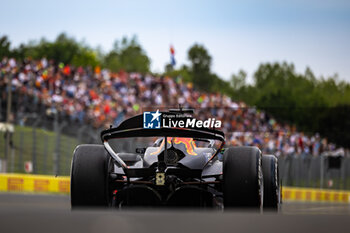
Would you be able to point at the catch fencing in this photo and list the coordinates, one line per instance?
(43, 146)
(323, 171)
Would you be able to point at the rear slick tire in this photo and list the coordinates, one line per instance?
(89, 177)
(242, 178)
(271, 182)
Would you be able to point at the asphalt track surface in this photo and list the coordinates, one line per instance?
(41, 213)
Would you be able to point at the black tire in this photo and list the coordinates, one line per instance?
(242, 178)
(271, 182)
(89, 176)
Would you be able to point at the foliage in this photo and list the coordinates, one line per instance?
(129, 57)
(337, 122)
(184, 72)
(314, 105)
(63, 49)
(126, 55)
(200, 71)
(4, 47)
(238, 81)
(200, 67)
(219, 85)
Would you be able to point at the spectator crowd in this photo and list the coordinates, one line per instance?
(99, 97)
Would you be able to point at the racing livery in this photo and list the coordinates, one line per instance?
(147, 162)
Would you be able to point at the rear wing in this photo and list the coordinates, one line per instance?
(133, 127)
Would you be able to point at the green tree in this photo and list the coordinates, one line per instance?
(313, 105)
(239, 89)
(184, 72)
(64, 49)
(220, 85)
(85, 57)
(4, 47)
(238, 80)
(112, 61)
(200, 67)
(128, 56)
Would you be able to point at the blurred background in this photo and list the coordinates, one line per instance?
(276, 73)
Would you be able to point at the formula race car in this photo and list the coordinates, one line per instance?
(148, 162)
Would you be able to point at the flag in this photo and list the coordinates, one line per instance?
(172, 56)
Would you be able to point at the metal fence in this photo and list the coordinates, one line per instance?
(322, 171)
(39, 150)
